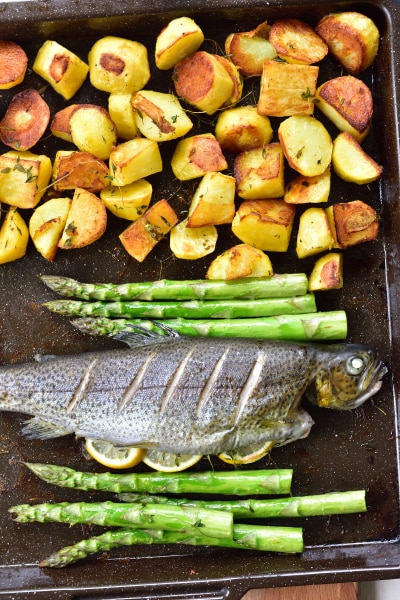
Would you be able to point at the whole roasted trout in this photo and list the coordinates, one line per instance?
(189, 395)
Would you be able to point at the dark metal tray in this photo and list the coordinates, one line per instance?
(344, 451)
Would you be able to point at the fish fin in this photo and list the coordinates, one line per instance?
(37, 428)
(140, 336)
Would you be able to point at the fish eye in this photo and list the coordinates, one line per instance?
(355, 365)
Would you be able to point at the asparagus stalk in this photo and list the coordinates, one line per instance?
(246, 537)
(239, 483)
(288, 284)
(333, 503)
(168, 517)
(193, 309)
(319, 326)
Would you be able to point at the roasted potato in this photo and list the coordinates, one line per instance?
(159, 116)
(352, 38)
(123, 115)
(129, 201)
(61, 68)
(24, 177)
(92, 130)
(59, 125)
(353, 223)
(351, 163)
(118, 65)
(197, 155)
(248, 50)
(86, 221)
(327, 273)
(297, 42)
(314, 234)
(133, 160)
(347, 102)
(13, 64)
(308, 190)
(179, 39)
(192, 243)
(25, 120)
(236, 77)
(203, 81)
(240, 261)
(265, 224)
(242, 128)
(72, 169)
(14, 236)
(306, 144)
(143, 235)
(259, 173)
(47, 224)
(213, 202)
(287, 89)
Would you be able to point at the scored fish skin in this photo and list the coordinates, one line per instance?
(187, 395)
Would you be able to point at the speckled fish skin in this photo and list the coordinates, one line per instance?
(189, 395)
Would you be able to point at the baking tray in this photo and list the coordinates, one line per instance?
(344, 451)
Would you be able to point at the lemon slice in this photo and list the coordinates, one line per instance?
(114, 457)
(170, 463)
(247, 454)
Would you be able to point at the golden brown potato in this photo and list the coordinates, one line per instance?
(123, 116)
(133, 160)
(192, 243)
(213, 202)
(314, 234)
(24, 177)
(202, 81)
(308, 190)
(236, 77)
(327, 273)
(14, 236)
(159, 116)
(353, 222)
(347, 102)
(128, 201)
(72, 169)
(180, 38)
(143, 235)
(287, 89)
(197, 155)
(352, 38)
(265, 224)
(47, 224)
(248, 50)
(259, 173)
(92, 130)
(86, 221)
(13, 63)
(297, 42)
(60, 126)
(25, 121)
(240, 261)
(242, 128)
(351, 163)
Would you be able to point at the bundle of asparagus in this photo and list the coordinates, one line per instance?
(153, 519)
(277, 307)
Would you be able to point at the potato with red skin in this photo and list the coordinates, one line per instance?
(25, 121)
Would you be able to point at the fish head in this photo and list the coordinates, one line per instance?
(352, 374)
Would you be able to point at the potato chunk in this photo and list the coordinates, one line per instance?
(180, 38)
(24, 177)
(213, 202)
(347, 102)
(123, 115)
(259, 173)
(352, 38)
(92, 130)
(25, 121)
(133, 160)
(327, 273)
(60, 124)
(240, 261)
(265, 224)
(297, 42)
(72, 169)
(202, 81)
(197, 155)
(61, 68)
(118, 65)
(314, 234)
(237, 80)
(143, 235)
(309, 190)
(159, 116)
(14, 236)
(13, 64)
(248, 50)
(306, 144)
(47, 224)
(353, 222)
(351, 163)
(86, 222)
(242, 128)
(192, 243)
(128, 201)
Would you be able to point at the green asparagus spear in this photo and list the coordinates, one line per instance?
(288, 284)
(193, 309)
(332, 503)
(239, 483)
(195, 521)
(246, 537)
(319, 326)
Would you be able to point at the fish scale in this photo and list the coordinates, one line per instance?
(188, 395)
